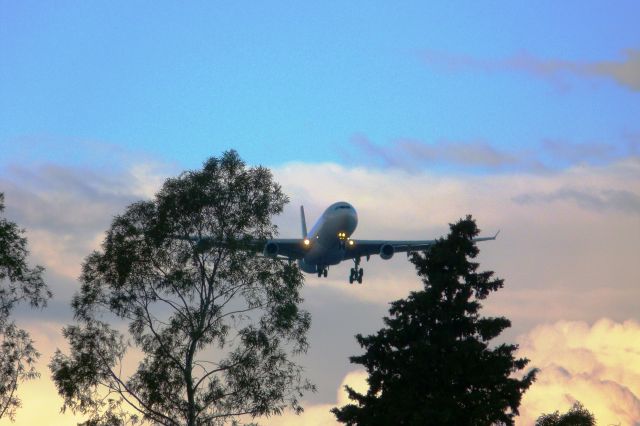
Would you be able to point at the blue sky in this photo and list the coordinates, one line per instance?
(523, 114)
(281, 82)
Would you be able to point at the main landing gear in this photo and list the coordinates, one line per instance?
(322, 272)
(356, 272)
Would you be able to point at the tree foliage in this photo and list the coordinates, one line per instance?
(19, 283)
(431, 364)
(576, 416)
(213, 325)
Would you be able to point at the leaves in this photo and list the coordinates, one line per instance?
(17, 363)
(212, 326)
(578, 415)
(19, 283)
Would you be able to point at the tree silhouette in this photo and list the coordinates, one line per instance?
(212, 325)
(576, 416)
(431, 364)
(18, 283)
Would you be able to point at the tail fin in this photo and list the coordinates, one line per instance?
(304, 222)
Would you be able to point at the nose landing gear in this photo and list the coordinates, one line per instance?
(322, 272)
(356, 272)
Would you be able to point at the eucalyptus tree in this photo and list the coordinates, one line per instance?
(19, 283)
(433, 362)
(179, 321)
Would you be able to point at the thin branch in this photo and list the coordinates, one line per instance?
(219, 369)
(10, 398)
(128, 391)
(159, 338)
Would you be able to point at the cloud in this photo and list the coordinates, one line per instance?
(567, 259)
(598, 365)
(475, 153)
(551, 155)
(66, 209)
(41, 149)
(577, 153)
(414, 155)
(632, 141)
(609, 199)
(625, 72)
(319, 414)
(561, 259)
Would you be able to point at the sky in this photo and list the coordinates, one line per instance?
(524, 115)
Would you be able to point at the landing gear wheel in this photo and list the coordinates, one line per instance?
(319, 273)
(357, 272)
(325, 272)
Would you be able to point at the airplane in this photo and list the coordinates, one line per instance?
(330, 243)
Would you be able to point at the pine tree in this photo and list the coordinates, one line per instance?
(432, 363)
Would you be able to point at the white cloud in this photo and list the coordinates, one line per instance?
(558, 256)
(598, 365)
(67, 209)
(561, 260)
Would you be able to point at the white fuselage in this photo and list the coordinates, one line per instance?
(329, 236)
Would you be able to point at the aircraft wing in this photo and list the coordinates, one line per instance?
(286, 248)
(365, 248)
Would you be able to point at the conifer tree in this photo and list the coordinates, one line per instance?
(433, 362)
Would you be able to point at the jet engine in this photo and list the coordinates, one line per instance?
(271, 249)
(386, 251)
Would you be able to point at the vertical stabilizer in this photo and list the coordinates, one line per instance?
(303, 222)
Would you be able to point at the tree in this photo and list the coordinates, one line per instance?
(431, 364)
(19, 283)
(213, 325)
(576, 416)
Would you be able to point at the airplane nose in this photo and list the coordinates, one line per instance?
(352, 221)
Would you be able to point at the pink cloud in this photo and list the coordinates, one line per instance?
(598, 365)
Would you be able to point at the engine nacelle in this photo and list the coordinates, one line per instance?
(271, 249)
(386, 251)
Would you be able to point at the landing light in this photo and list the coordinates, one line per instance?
(351, 242)
(306, 242)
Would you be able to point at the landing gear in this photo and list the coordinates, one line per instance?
(322, 272)
(356, 272)
(356, 275)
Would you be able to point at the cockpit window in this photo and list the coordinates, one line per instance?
(342, 207)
